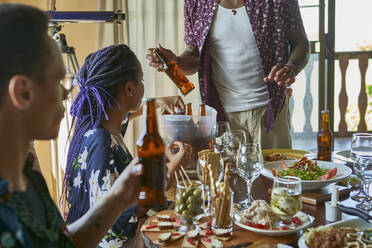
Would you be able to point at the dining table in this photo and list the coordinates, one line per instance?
(260, 190)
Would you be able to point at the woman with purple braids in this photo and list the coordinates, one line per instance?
(110, 88)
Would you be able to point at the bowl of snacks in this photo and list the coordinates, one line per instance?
(314, 174)
(189, 201)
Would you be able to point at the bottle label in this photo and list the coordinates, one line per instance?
(154, 175)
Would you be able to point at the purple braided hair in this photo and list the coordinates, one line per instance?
(98, 79)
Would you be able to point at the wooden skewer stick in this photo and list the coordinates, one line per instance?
(188, 179)
(175, 173)
(184, 182)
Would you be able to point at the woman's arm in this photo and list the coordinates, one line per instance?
(92, 226)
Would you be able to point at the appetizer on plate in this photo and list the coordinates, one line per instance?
(168, 238)
(334, 237)
(191, 239)
(305, 169)
(211, 243)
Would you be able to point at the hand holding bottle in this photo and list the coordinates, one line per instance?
(154, 60)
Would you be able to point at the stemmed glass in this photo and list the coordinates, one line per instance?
(221, 136)
(238, 138)
(286, 198)
(364, 162)
(249, 164)
(361, 145)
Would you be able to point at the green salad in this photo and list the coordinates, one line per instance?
(305, 170)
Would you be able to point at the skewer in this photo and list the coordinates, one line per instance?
(184, 182)
(188, 179)
(175, 173)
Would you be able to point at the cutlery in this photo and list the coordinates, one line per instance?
(356, 212)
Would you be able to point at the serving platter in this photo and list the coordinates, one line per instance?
(291, 153)
(238, 219)
(342, 172)
(352, 223)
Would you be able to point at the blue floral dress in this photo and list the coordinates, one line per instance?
(98, 164)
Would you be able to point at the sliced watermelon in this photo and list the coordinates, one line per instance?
(331, 173)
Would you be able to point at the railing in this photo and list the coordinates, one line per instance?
(344, 58)
(341, 64)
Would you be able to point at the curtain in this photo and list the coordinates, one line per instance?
(148, 23)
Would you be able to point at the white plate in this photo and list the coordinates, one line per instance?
(344, 156)
(342, 172)
(353, 223)
(237, 221)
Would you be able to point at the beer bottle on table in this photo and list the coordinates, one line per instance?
(189, 109)
(151, 154)
(202, 111)
(175, 73)
(325, 138)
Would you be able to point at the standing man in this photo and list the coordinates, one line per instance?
(247, 52)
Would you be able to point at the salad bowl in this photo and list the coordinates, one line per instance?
(342, 172)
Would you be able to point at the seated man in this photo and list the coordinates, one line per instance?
(31, 108)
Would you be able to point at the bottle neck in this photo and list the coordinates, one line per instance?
(149, 121)
(162, 58)
(325, 121)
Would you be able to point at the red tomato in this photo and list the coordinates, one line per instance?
(191, 241)
(297, 221)
(207, 239)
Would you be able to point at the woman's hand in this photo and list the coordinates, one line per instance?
(282, 74)
(155, 61)
(127, 186)
(182, 156)
(170, 104)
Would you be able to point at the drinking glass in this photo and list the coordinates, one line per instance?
(361, 145)
(364, 162)
(189, 198)
(221, 136)
(286, 198)
(249, 164)
(238, 137)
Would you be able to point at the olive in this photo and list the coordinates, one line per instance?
(182, 207)
(178, 209)
(186, 214)
(198, 193)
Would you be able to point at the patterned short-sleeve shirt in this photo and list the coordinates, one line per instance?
(99, 162)
(270, 20)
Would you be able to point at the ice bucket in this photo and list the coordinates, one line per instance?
(192, 129)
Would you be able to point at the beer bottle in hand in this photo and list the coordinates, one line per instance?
(174, 73)
(325, 138)
(151, 154)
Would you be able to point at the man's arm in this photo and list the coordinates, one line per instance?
(286, 73)
(189, 60)
(299, 48)
(93, 225)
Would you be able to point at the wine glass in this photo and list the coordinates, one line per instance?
(249, 165)
(361, 145)
(364, 162)
(221, 136)
(238, 137)
(286, 198)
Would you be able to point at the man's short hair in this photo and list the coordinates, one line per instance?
(23, 43)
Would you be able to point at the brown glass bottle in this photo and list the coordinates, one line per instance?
(150, 148)
(175, 73)
(325, 138)
(189, 109)
(202, 111)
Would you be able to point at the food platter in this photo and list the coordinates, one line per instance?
(342, 172)
(290, 153)
(272, 232)
(352, 223)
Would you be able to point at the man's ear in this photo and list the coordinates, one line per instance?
(21, 91)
